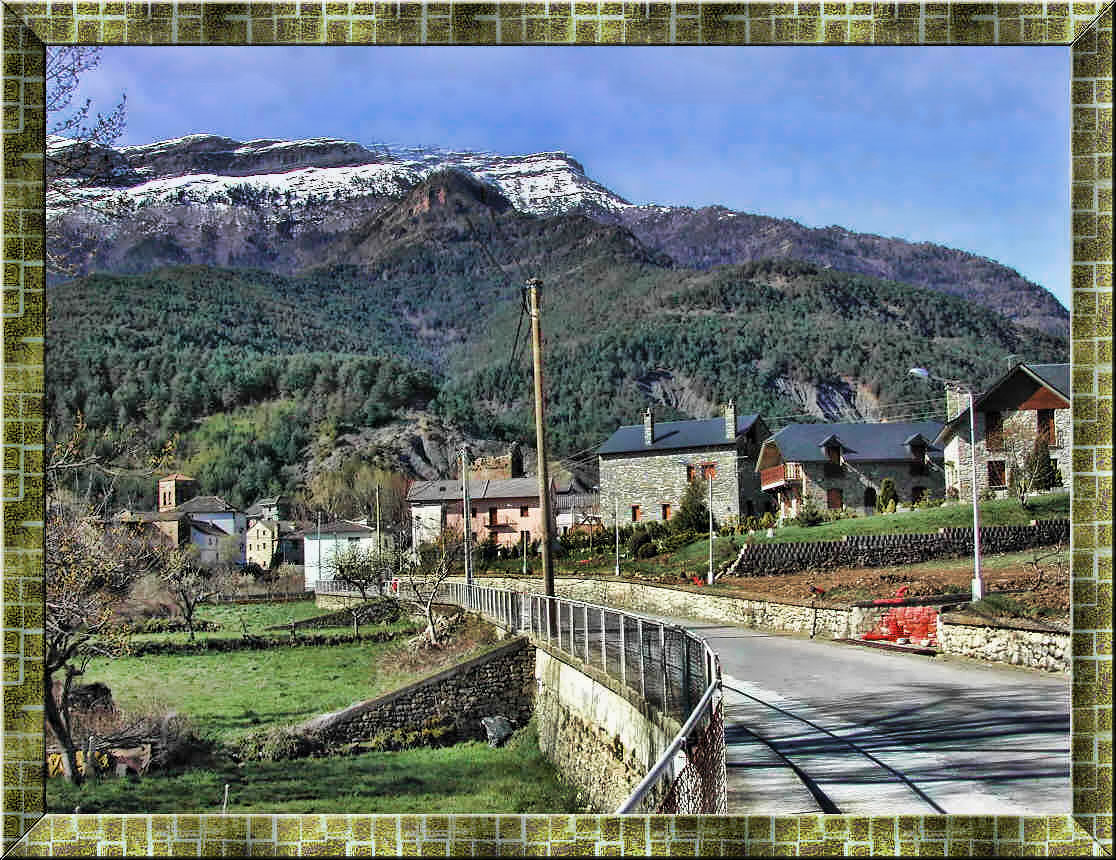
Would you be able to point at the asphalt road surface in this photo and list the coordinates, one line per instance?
(819, 726)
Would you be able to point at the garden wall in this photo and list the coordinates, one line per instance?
(764, 559)
(1019, 643)
(602, 738)
(501, 681)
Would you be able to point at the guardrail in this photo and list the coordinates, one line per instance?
(674, 671)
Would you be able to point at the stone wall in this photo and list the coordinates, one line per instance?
(857, 477)
(1023, 422)
(654, 479)
(499, 682)
(1020, 644)
(602, 738)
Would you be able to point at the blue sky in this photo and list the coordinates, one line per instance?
(967, 147)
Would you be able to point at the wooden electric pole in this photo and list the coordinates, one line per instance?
(533, 285)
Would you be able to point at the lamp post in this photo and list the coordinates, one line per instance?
(616, 526)
(923, 373)
(712, 471)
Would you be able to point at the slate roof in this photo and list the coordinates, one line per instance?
(863, 442)
(450, 491)
(670, 435)
(177, 476)
(206, 505)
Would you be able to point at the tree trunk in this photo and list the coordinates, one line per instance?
(61, 732)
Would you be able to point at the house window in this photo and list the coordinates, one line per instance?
(523, 510)
(996, 474)
(666, 512)
(709, 471)
(834, 499)
(492, 516)
(636, 513)
(1046, 425)
(994, 431)
(691, 473)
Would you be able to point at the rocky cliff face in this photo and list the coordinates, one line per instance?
(274, 204)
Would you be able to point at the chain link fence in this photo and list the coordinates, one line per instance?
(674, 671)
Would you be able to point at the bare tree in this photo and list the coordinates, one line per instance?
(89, 570)
(79, 159)
(188, 580)
(360, 567)
(423, 572)
(1027, 460)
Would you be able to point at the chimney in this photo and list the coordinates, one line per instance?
(956, 401)
(728, 411)
(648, 427)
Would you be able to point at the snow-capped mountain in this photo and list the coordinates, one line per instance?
(274, 204)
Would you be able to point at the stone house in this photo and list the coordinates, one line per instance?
(506, 510)
(274, 508)
(645, 469)
(844, 465)
(1027, 401)
(269, 541)
(321, 543)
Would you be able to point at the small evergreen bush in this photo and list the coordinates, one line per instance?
(887, 497)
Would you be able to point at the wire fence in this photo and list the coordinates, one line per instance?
(671, 669)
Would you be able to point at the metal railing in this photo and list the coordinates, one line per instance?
(671, 669)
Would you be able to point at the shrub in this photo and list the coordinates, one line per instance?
(808, 514)
(639, 538)
(277, 743)
(674, 542)
(886, 497)
(767, 521)
(953, 494)
(890, 507)
(751, 523)
(647, 550)
(692, 515)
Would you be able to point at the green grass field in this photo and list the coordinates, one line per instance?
(465, 778)
(231, 693)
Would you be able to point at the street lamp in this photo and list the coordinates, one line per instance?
(956, 385)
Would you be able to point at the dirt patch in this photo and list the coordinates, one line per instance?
(1042, 588)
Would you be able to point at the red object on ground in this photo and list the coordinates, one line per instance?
(916, 623)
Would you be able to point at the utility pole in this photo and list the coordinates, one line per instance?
(616, 526)
(533, 285)
(379, 544)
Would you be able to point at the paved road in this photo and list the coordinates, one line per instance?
(875, 732)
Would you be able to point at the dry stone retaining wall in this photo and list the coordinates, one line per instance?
(499, 682)
(602, 739)
(885, 550)
(1036, 649)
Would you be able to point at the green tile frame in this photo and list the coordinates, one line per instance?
(1085, 27)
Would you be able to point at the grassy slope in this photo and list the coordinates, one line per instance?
(465, 778)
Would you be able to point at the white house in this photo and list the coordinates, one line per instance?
(317, 551)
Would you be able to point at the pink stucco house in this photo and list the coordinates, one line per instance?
(502, 509)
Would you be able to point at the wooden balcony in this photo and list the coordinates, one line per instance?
(778, 476)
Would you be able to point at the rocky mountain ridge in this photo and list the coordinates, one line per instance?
(273, 204)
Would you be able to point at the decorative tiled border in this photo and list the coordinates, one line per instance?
(26, 26)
